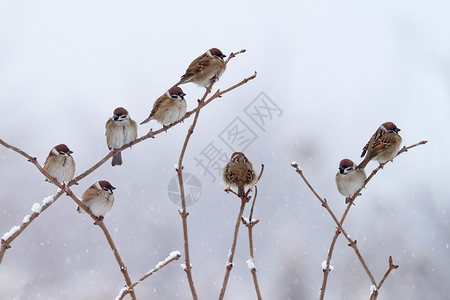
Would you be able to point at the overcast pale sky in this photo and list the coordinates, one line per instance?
(329, 73)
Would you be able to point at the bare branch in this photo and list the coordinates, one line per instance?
(256, 193)
(352, 243)
(201, 103)
(233, 249)
(175, 255)
(338, 230)
(327, 269)
(251, 262)
(99, 222)
(391, 267)
(5, 243)
(183, 211)
(244, 200)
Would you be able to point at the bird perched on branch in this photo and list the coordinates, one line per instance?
(208, 66)
(383, 145)
(99, 198)
(349, 179)
(120, 131)
(60, 164)
(169, 108)
(239, 172)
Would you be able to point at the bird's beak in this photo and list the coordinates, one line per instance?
(70, 152)
(112, 188)
(341, 170)
(397, 130)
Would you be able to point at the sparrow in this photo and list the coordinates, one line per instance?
(60, 164)
(349, 179)
(120, 131)
(99, 198)
(169, 108)
(210, 65)
(239, 172)
(383, 145)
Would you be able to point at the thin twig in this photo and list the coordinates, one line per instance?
(327, 270)
(175, 255)
(256, 193)
(391, 267)
(352, 243)
(253, 268)
(251, 262)
(233, 249)
(253, 204)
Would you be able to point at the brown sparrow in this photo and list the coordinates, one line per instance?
(99, 198)
(349, 179)
(169, 108)
(239, 172)
(120, 131)
(60, 164)
(203, 69)
(383, 145)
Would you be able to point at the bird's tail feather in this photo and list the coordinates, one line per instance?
(241, 191)
(364, 163)
(117, 159)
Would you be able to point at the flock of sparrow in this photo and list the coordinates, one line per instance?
(121, 130)
(238, 172)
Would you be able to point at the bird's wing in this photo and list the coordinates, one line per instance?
(197, 66)
(382, 143)
(375, 137)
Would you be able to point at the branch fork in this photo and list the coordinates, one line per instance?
(65, 188)
(339, 229)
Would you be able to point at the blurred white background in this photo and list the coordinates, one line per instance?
(337, 70)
